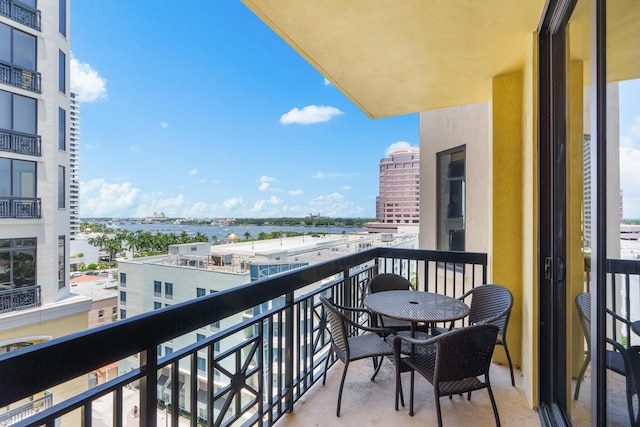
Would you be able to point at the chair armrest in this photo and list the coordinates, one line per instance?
(619, 318)
(378, 330)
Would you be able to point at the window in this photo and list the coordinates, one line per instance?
(123, 297)
(200, 292)
(451, 199)
(100, 314)
(157, 305)
(168, 350)
(123, 314)
(62, 129)
(61, 187)
(61, 262)
(215, 325)
(157, 288)
(216, 346)
(123, 278)
(62, 72)
(202, 364)
(18, 261)
(168, 290)
(17, 178)
(200, 337)
(114, 311)
(62, 17)
(17, 48)
(17, 113)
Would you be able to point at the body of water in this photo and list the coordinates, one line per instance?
(221, 232)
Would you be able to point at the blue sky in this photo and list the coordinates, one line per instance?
(202, 111)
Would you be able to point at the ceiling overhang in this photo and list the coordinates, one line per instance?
(393, 57)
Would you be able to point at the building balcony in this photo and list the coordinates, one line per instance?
(265, 363)
(20, 207)
(19, 299)
(15, 76)
(20, 143)
(22, 412)
(21, 13)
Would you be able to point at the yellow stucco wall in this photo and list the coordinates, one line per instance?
(506, 239)
(529, 315)
(39, 332)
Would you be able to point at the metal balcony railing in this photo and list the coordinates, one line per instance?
(13, 416)
(249, 373)
(21, 13)
(18, 77)
(20, 299)
(623, 298)
(20, 207)
(20, 143)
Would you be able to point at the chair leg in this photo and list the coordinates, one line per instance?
(411, 393)
(493, 403)
(506, 350)
(581, 376)
(326, 367)
(379, 364)
(438, 412)
(344, 375)
(398, 386)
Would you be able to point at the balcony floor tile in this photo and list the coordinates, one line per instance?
(366, 403)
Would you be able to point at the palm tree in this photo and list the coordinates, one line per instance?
(247, 235)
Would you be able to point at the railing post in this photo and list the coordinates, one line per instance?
(149, 387)
(289, 343)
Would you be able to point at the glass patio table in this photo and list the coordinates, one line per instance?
(416, 307)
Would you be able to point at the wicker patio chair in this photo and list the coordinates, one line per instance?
(631, 359)
(389, 282)
(459, 365)
(613, 359)
(349, 344)
(490, 304)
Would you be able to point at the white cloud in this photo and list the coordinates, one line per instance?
(327, 82)
(345, 188)
(309, 115)
(98, 198)
(267, 207)
(396, 146)
(135, 148)
(295, 192)
(193, 172)
(164, 125)
(216, 181)
(201, 181)
(326, 175)
(86, 82)
(335, 205)
(265, 184)
(234, 202)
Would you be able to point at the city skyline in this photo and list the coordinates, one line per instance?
(215, 120)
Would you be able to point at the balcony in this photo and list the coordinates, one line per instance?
(265, 362)
(20, 143)
(25, 411)
(18, 77)
(19, 299)
(20, 207)
(21, 13)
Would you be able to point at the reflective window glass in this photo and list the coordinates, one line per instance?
(24, 178)
(24, 50)
(62, 17)
(5, 178)
(5, 110)
(62, 125)
(24, 114)
(61, 186)
(62, 81)
(5, 43)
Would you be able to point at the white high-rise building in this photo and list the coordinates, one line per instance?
(74, 165)
(36, 304)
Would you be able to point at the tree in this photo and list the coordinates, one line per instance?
(247, 235)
